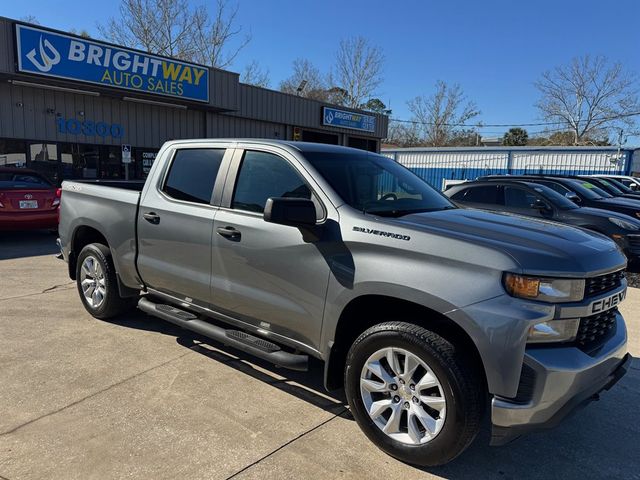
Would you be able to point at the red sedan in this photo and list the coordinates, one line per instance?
(27, 200)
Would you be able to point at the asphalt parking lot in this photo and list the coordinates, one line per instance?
(138, 398)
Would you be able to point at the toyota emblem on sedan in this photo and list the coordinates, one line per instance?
(28, 196)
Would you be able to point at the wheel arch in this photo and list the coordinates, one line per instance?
(83, 236)
(366, 311)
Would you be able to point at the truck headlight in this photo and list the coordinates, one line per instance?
(553, 290)
(554, 331)
(624, 224)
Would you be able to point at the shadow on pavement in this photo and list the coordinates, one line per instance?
(307, 386)
(23, 244)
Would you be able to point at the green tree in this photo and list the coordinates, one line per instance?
(376, 105)
(515, 137)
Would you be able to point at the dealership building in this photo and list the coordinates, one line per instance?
(73, 107)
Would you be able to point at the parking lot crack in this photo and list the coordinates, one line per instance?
(99, 392)
(55, 288)
(286, 444)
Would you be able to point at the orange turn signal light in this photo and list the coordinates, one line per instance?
(519, 286)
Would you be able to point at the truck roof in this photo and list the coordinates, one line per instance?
(300, 146)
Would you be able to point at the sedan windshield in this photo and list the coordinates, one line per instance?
(560, 201)
(588, 190)
(376, 184)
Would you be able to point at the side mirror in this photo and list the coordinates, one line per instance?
(295, 212)
(573, 197)
(540, 205)
(634, 186)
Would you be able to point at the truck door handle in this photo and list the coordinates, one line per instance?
(152, 217)
(229, 232)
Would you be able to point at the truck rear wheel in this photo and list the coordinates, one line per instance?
(413, 394)
(97, 283)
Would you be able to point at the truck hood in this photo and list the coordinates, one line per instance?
(539, 247)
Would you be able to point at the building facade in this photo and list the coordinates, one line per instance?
(73, 107)
(443, 165)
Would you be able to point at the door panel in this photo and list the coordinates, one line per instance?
(267, 274)
(175, 224)
(269, 277)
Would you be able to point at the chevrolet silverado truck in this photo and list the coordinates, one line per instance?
(428, 315)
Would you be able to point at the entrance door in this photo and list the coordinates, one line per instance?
(175, 223)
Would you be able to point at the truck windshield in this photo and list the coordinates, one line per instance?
(376, 184)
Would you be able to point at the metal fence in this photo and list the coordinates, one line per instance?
(438, 166)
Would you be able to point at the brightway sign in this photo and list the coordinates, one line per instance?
(52, 54)
(342, 118)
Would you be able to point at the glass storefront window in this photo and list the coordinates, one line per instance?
(13, 153)
(43, 157)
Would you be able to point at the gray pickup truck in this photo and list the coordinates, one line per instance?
(425, 313)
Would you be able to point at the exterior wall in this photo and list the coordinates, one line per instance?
(436, 165)
(24, 115)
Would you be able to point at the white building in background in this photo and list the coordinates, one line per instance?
(444, 165)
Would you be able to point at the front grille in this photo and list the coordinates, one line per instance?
(603, 283)
(595, 330)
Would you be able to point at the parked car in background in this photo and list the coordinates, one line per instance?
(612, 187)
(534, 200)
(27, 200)
(582, 192)
(619, 185)
(632, 182)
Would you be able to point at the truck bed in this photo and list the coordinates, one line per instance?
(109, 208)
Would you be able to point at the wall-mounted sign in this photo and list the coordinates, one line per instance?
(89, 128)
(342, 118)
(126, 153)
(52, 54)
(147, 161)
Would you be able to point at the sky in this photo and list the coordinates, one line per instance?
(495, 49)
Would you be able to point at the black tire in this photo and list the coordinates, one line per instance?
(462, 385)
(113, 304)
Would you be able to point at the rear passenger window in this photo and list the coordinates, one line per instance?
(193, 173)
(263, 175)
(483, 194)
(518, 198)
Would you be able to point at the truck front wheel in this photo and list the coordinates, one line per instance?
(97, 283)
(415, 395)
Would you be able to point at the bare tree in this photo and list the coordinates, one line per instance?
(358, 70)
(30, 19)
(589, 97)
(172, 28)
(213, 36)
(403, 134)
(163, 27)
(254, 74)
(443, 117)
(306, 81)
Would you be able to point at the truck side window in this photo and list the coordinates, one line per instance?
(263, 175)
(193, 173)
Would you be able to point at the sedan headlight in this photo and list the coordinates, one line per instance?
(624, 224)
(554, 331)
(553, 290)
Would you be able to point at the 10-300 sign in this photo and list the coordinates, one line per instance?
(89, 128)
